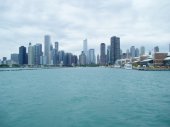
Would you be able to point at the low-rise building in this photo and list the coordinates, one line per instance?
(147, 62)
(167, 60)
(158, 58)
(143, 57)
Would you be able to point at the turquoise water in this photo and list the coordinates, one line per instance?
(84, 97)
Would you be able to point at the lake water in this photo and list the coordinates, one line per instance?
(84, 97)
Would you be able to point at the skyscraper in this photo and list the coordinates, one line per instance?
(22, 55)
(47, 46)
(169, 47)
(127, 53)
(85, 46)
(85, 49)
(14, 58)
(61, 57)
(82, 58)
(54, 56)
(136, 52)
(156, 49)
(98, 59)
(37, 53)
(4, 60)
(121, 53)
(102, 54)
(108, 55)
(92, 58)
(74, 60)
(30, 55)
(142, 50)
(132, 51)
(55, 53)
(56, 46)
(114, 49)
(68, 59)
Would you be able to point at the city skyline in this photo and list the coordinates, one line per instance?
(55, 46)
(34, 56)
(136, 22)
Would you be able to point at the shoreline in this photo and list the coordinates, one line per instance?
(153, 69)
(40, 68)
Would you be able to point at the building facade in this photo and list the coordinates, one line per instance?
(102, 54)
(37, 53)
(156, 49)
(159, 58)
(114, 49)
(136, 52)
(47, 48)
(30, 55)
(142, 50)
(92, 58)
(132, 51)
(14, 58)
(56, 46)
(61, 55)
(82, 58)
(108, 55)
(85, 50)
(23, 58)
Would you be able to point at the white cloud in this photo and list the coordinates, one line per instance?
(137, 22)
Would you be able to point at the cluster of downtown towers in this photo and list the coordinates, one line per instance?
(53, 56)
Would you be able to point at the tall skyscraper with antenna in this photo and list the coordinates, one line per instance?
(85, 50)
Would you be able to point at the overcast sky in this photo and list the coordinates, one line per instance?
(136, 22)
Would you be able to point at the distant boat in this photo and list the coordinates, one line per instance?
(128, 66)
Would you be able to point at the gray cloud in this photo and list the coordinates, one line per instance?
(137, 22)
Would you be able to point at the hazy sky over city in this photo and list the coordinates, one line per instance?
(136, 22)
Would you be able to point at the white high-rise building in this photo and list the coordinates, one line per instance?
(47, 47)
(132, 51)
(142, 50)
(85, 50)
(127, 53)
(85, 46)
(30, 54)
